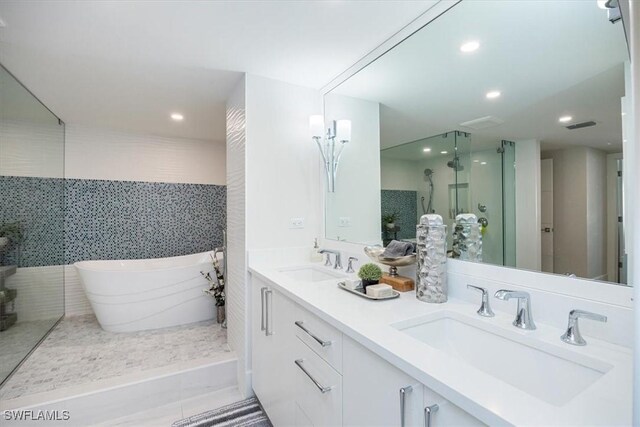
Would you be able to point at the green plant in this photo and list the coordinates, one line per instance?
(12, 231)
(216, 285)
(370, 271)
(390, 218)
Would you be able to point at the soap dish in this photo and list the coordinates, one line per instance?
(358, 291)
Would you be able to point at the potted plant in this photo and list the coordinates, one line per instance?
(11, 232)
(370, 274)
(216, 288)
(389, 220)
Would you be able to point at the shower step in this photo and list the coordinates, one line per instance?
(7, 320)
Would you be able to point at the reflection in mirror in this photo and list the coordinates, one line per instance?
(525, 131)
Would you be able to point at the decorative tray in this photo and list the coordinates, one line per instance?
(358, 291)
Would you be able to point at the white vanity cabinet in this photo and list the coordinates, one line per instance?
(376, 393)
(272, 348)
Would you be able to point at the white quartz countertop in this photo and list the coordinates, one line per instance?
(605, 402)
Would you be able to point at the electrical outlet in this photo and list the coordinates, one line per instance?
(296, 223)
(344, 221)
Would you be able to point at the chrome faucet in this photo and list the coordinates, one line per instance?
(485, 308)
(350, 264)
(573, 336)
(338, 263)
(524, 319)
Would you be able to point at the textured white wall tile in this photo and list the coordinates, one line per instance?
(40, 293)
(31, 149)
(237, 333)
(93, 153)
(75, 300)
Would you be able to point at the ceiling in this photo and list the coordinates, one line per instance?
(130, 64)
(547, 62)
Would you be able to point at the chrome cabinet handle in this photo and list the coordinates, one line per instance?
(403, 398)
(428, 412)
(323, 343)
(267, 299)
(322, 388)
(262, 321)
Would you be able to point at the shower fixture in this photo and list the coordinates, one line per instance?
(338, 132)
(428, 173)
(455, 164)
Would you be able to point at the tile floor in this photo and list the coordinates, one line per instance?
(17, 341)
(78, 351)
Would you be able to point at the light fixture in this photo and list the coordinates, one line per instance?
(476, 161)
(444, 152)
(565, 119)
(493, 94)
(338, 132)
(426, 150)
(483, 163)
(177, 117)
(602, 4)
(469, 46)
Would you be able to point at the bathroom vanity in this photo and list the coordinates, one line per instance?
(324, 357)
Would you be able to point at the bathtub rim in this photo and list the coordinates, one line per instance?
(105, 266)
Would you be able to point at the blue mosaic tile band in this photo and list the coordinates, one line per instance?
(71, 220)
(38, 205)
(405, 204)
(139, 220)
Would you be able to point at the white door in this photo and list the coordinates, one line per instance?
(546, 167)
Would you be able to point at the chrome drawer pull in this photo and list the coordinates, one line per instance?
(428, 412)
(268, 295)
(262, 327)
(403, 398)
(299, 324)
(317, 384)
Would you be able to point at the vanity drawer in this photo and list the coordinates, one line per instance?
(447, 414)
(317, 387)
(321, 337)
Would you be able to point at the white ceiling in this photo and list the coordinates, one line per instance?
(548, 60)
(129, 64)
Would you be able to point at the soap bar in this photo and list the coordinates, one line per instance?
(351, 283)
(379, 291)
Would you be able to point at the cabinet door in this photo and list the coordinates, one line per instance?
(371, 390)
(448, 414)
(272, 342)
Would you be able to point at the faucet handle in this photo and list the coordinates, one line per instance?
(350, 264)
(572, 335)
(327, 263)
(485, 308)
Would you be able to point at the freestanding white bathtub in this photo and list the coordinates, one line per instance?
(135, 295)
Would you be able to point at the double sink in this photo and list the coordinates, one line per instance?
(549, 372)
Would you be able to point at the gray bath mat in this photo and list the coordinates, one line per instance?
(246, 413)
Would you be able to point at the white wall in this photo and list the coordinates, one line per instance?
(399, 174)
(237, 302)
(95, 153)
(596, 214)
(357, 194)
(528, 221)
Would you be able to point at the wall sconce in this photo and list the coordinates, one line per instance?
(339, 133)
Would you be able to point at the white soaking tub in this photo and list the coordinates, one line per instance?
(135, 295)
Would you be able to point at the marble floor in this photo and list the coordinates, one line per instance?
(17, 341)
(78, 351)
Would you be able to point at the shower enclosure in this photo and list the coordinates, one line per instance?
(31, 222)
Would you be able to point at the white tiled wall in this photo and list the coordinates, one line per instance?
(94, 153)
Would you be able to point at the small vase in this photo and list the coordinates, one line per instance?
(220, 313)
(366, 283)
(391, 225)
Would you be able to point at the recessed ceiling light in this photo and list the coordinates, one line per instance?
(476, 161)
(469, 46)
(177, 117)
(602, 4)
(565, 119)
(608, 143)
(483, 163)
(493, 94)
(443, 152)
(426, 150)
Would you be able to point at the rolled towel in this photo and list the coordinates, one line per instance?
(397, 249)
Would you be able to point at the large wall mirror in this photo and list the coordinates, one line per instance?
(511, 110)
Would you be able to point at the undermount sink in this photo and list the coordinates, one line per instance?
(312, 274)
(552, 374)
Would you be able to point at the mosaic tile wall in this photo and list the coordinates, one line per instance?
(38, 204)
(110, 219)
(405, 204)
